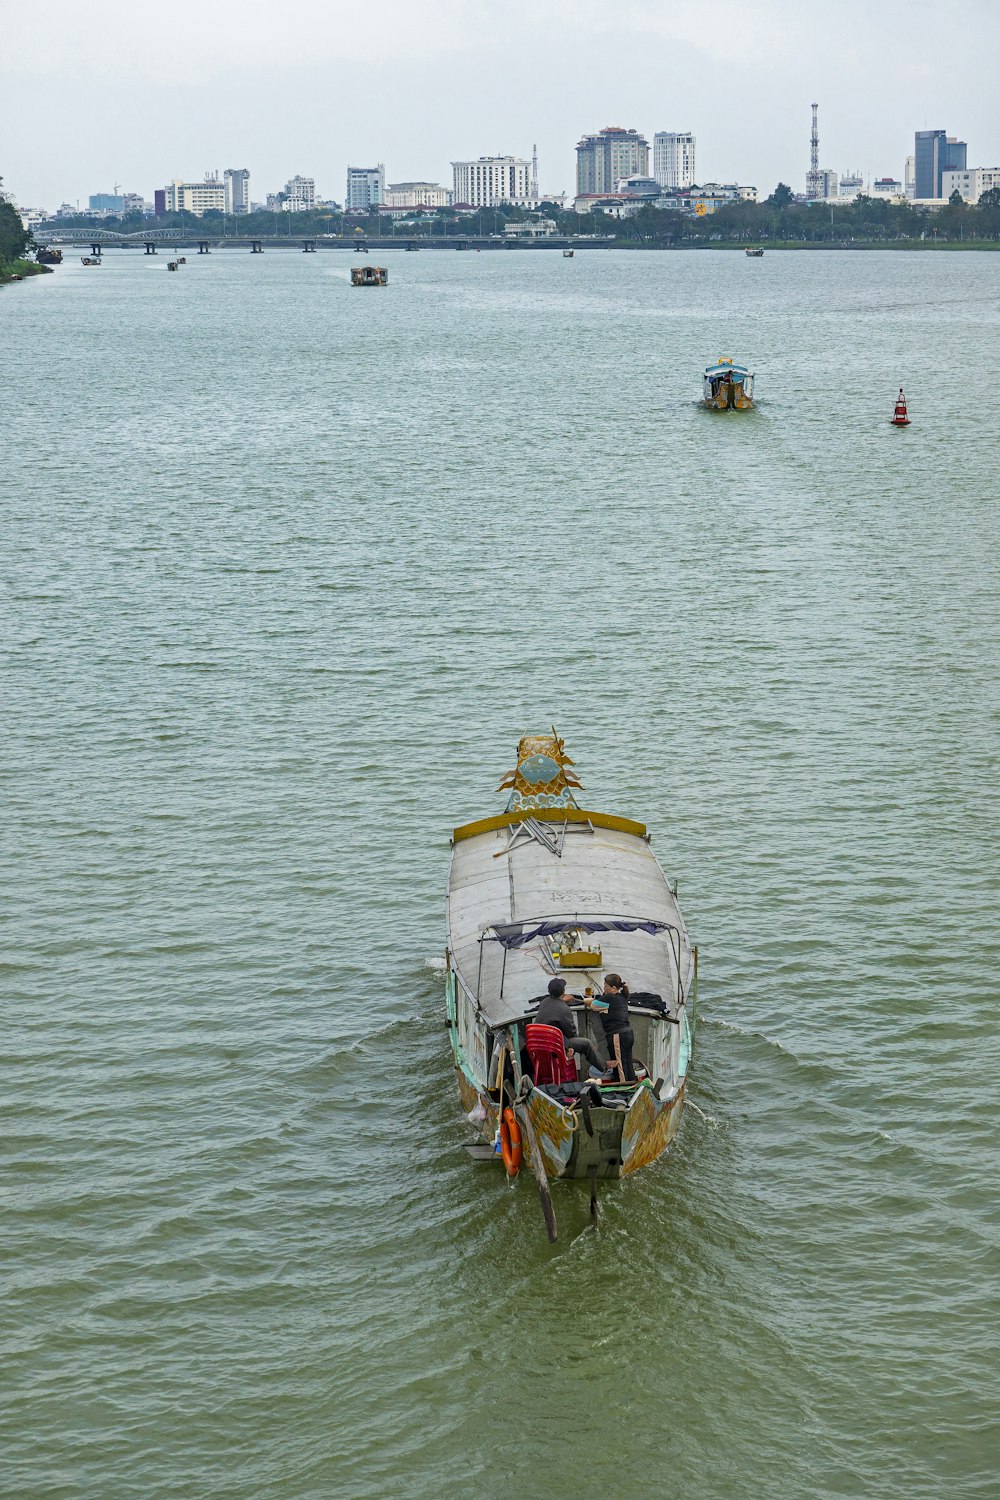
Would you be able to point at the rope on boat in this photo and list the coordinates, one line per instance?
(709, 1119)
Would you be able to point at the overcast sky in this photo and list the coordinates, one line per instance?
(98, 92)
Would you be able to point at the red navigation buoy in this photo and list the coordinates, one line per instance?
(899, 417)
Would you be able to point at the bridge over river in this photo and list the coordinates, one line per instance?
(150, 240)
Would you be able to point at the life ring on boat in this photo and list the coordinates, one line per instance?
(510, 1142)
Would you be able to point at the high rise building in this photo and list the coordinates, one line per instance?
(365, 188)
(237, 190)
(935, 152)
(673, 158)
(299, 195)
(106, 203)
(602, 160)
(491, 180)
(193, 197)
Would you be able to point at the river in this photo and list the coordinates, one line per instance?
(288, 568)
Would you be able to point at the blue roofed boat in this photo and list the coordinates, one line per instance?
(728, 387)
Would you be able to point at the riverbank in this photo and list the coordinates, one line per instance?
(19, 269)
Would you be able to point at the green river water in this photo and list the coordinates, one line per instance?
(288, 568)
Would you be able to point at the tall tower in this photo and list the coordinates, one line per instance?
(534, 175)
(814, 187)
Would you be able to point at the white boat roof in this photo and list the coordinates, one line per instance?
(527, 871)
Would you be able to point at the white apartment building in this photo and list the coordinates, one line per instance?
(417, 195)
(195, 197)
(673, 158)
(972, 183)
(365, 188)
(492, 180)
(887, 187)
(910, 177)
(237, 190)
(851, 184)
(299, 195)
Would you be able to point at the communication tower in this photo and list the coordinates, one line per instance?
(814, 186)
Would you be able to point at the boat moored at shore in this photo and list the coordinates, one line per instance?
(547, 890)
(727, 387)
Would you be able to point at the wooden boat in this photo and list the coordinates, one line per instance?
(171, 265)
(90, 260)
(48, 255)
(755, 254)
(728, 387)
(567, 255)
(369, 276)
(547, 889)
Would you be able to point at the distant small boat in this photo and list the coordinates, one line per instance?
(90, 260)
(171, 265)
(728, 387)
(413, 248)
(900, 417)
(755, 253)
(369, 276)
(47, 255)
(567, 255)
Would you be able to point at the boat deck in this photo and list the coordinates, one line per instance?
(530, 871)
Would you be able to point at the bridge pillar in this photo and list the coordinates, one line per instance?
(150, 247)
(95, 250)
(256, 248)
(203, 247)
(308, 248)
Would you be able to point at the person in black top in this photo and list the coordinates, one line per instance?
(618, 1033)
(554, 1011)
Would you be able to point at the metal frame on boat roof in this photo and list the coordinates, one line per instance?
(548, 926)
(550, 815)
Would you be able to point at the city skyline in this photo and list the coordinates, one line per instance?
(421, 89)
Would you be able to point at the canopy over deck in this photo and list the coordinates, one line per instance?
(735, 372)
(516, 934)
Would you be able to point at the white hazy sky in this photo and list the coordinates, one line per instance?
(94, 92)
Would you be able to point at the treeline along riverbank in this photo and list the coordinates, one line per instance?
(778, 221)
(14, 241)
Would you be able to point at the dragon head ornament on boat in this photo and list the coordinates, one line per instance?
(541, 778)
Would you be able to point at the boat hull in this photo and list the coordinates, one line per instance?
(606, 1143)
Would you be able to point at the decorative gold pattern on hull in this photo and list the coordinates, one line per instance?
(650, 1127)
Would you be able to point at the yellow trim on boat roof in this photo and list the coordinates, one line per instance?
(549, 815)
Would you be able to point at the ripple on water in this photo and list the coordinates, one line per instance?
(253, 678)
